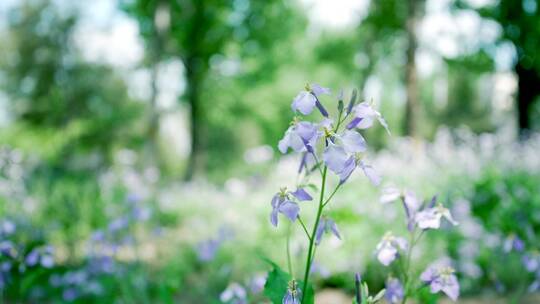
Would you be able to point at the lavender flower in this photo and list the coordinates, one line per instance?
(364, 116)
(431, 218)
(300, 136)
(306, 100)
(32, 258)
(394, 291)
(293, 294)
(234, 294)
(343, 159)
(326, 225)
(531, 261)
(387, 249)
(206, 250)
(513, 242)
(443, 279)
(282, 203)
(256, 284)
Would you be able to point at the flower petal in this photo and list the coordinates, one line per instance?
(353, 142)
(304, 102)
(302, 195)
(335, 158)
(289, 209)
(371, 174)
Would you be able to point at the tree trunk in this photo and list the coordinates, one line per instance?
(528, 91)
(196, 157)
(412, 107)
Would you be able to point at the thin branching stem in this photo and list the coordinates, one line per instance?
(310, 255)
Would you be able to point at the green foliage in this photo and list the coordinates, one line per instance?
(277, 283)
(508, 202)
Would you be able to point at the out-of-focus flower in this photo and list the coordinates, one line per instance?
(206, 250)
(32, 258)
(234, 294)
(387, 249)
(256, 284)
(300, 136)
(7, 227)
(513, 243)
(441, 278)
(394, 291)
(531, 261)
(293, 294)
(431, 218)
(326, 225)
(364, 116)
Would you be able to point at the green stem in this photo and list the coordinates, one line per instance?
(412, 243)
(310, 255)
(289, 263)
(304, 226)
(331, 195)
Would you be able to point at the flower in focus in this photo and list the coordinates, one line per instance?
(306, 100)
(394, 291)
(343, 156)
(282, 203)
(326, 225)
(387, 249)
(364, 116)
(443, 279)
(430, 218)
(234, 294)
(300, 136)
(293, 294)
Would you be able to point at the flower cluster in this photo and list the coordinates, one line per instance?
(419, 218)
(20, 257)
(331, 143)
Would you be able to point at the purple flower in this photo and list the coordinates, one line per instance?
(234, 294)
(431, 218)
(7, 248)
(370, 173)
(282, 203)
(206, 250)
(531, 261)
(256, 284)
(441, 278)
(394, 291)
(32, 258)
(7, 227)
(335, 157)
(389, 194)
(353, 142)
(317, 90)
(306, 100)
(326, 225)
(364, 116)
(293, 294)
(513, 242)
(300, 137)
(387, 249)
(301, 195)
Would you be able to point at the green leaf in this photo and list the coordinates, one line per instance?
(276, 284)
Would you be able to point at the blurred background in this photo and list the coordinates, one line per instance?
(138, 142)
